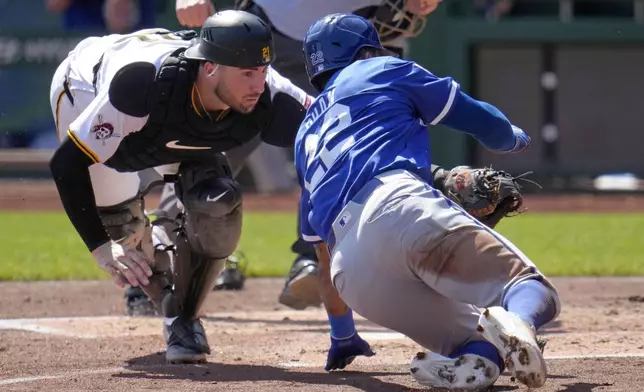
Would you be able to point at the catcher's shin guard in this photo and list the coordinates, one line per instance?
(194, 278)
(209, 232)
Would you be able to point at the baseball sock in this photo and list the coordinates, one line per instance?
(484, 349)
(531, 300)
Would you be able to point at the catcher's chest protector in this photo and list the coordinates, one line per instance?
(176, 133)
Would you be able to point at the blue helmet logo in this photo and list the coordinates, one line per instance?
(333, 41)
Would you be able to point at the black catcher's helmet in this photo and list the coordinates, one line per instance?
(234, 38)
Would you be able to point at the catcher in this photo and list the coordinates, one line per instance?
(177, 103)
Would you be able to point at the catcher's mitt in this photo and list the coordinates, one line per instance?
(487, 194)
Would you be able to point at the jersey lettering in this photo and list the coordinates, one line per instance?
(336, 119)
(354, 131)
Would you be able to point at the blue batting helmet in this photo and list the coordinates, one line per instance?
(333, 41)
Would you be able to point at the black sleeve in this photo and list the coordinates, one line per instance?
(70, 169)
(288, 114)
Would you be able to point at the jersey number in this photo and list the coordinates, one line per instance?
(336, 119)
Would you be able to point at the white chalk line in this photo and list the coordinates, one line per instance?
(12, 323)
(35, 324)
(32, 325)
(22, 380)
(288, 365)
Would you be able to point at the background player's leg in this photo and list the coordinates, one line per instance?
(300, 289)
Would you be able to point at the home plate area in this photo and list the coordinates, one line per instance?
(597, 344)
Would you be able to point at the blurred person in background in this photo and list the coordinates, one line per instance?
(396, 21)
(114, 16)
(493, 9)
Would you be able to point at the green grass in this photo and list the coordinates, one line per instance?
(44, 246)
(580, 244)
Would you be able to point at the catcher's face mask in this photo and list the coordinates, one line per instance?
(392, 21)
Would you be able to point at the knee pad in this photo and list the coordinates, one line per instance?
(215, 197)
(213, 228)
(126, 222)
(213, 213)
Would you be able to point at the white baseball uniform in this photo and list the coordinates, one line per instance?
(92, 122)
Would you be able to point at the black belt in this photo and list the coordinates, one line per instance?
(95, 70)
(68, 92)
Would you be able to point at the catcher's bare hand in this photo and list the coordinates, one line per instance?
(421, 7)
(125, 264)
(192, 13)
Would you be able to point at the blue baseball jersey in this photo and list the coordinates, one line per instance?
(371, 118)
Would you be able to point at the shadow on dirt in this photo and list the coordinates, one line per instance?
(583, 387)
(153, 367)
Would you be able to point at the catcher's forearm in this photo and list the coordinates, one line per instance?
(70, 170)
(334, 305)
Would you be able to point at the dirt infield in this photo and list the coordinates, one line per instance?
(70, 336)
(41, 195)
